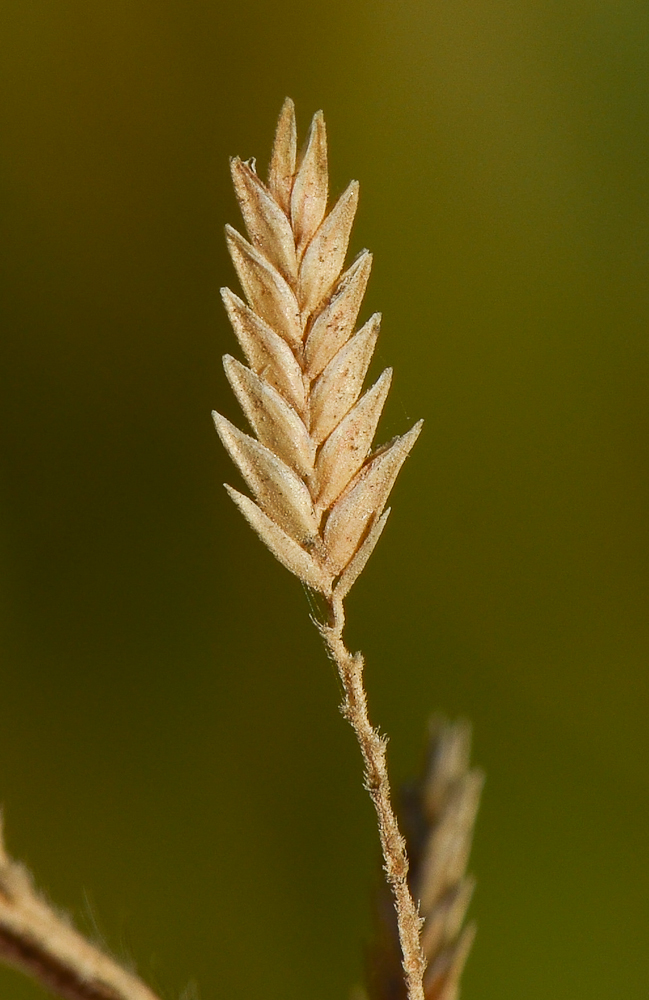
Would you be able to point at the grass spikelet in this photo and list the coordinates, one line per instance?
(319, 491)
(307, 367)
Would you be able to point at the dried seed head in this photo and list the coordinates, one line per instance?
(319, 493)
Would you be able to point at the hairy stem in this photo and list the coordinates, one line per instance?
(43, 944)
(373, 750)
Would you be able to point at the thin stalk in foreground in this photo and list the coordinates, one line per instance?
(42, 943)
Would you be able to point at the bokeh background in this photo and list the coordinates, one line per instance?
(172, 762)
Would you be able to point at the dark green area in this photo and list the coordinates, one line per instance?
(172, 764)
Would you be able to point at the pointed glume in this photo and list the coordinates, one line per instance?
(319, 492)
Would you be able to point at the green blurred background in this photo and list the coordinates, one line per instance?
(172, 762)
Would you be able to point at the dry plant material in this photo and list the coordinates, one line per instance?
(439, 814)
(43, 943)
(319, 492)
(319, 504)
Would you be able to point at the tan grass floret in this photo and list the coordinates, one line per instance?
(319, 491)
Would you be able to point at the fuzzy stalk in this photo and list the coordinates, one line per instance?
(42, 943)
(393, 846)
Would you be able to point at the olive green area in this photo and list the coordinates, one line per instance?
(172, 762)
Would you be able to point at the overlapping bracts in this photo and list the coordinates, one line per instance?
(319, 492)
